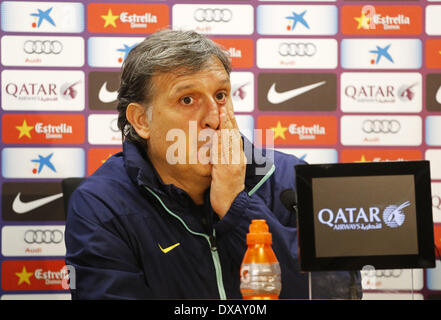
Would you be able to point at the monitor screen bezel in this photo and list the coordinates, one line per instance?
(305, 173)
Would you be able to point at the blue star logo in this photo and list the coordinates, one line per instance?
(298, 18)
(382, 52)
(44, 161)
(43, 15)
(126, 50)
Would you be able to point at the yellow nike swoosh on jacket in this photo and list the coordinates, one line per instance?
(169, 248)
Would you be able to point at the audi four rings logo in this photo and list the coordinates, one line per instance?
(43, 236)
(46, 47)
(210, 15)
(392, 273)
(381, 126)
(297, 49)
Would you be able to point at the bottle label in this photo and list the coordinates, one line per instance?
(260, 278)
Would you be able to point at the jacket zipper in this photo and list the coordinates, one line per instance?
(211, 242)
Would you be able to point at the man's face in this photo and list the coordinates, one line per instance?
(181, 100)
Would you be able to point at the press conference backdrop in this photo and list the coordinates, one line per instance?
(337, 81)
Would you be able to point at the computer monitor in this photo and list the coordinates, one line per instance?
(351, 215)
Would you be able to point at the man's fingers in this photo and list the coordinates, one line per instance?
(229, 146)
(227, 119)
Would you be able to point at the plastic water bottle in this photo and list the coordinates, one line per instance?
(260, 270)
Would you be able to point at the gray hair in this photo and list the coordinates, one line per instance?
(162, 52)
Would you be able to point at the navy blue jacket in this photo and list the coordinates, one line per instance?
(130, 236)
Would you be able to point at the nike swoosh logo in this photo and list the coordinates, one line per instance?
(438, 95)
(107, 96)
(169, 248)
(278, 97)
(21, 207)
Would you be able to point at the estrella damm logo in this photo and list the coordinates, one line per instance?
(433, 53)
(43, 128)
(241, 51)
(380, 155)
(369, 19)
(26, 275)
(299, 130)
(98, 156)
(127, 18)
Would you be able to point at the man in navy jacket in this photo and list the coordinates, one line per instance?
(167, 218)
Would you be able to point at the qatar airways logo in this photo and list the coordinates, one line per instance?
(380, 93)
(42, 91)
(392, 216)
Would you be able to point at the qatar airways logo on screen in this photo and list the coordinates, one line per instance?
(393, 216)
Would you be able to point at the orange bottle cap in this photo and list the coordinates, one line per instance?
(259, 232)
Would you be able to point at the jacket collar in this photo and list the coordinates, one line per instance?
(141, 170)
